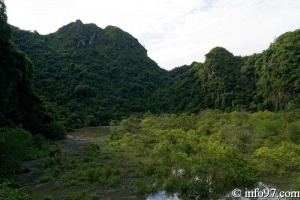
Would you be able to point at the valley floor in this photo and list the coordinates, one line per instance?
(204, 155)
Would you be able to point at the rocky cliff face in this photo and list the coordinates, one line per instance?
(76, 34)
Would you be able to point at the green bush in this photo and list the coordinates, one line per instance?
(58, 131)
(81, 196)
(142, 187)
(14, 148)
(46, 179)
(12, 194)
(296, 183)
(194, 189)
(171, 184)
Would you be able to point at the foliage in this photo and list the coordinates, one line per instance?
(19, 104)
(5, 31)
(94, 166)
(93, 75)
(296, 183)
(279, 84)
(81, 196)
(7, 192)
(265, 81)
(210, 152)
(219, 76)
(14, 148)
(96, 76)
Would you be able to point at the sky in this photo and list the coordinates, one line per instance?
(174, 32)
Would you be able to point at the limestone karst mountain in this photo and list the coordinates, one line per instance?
(94, 75)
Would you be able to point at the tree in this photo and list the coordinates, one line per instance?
(19, 104)
(5, 31)
(14, 145)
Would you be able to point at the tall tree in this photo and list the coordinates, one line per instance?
(19, 105)
(5, 31)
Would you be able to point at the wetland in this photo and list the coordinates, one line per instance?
(170, 157)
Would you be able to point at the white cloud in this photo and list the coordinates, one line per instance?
(175, 32)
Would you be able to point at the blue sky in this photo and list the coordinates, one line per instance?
(175, 32)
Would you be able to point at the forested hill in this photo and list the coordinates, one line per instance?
(20, 106)
(91, 74)
(266, 81)
(94, 75)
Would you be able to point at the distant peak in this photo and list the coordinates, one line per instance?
(79, 22)
(113, 28)
(78, 25)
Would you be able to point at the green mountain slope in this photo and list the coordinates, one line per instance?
(279, 72)
(94, 74)
(19, 104)
(269, 80)
(214, 84)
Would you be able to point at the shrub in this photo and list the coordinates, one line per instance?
(12, 194)
(14, 148)
(81, 196)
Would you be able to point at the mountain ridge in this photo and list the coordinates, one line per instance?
(97, 75)
(83, 62)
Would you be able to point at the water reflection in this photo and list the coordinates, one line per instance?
(261, 191)
(264, 191)
(162, 195)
